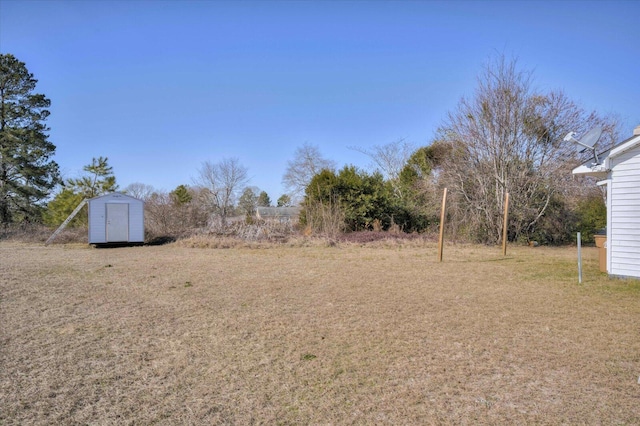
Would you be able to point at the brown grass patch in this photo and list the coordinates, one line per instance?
(314, 334)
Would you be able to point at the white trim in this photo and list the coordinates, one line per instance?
(608, 244)
(599, 170)
(631, 143)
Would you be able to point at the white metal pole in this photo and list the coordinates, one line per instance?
(579, 259)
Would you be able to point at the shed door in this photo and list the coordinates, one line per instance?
(117, 222)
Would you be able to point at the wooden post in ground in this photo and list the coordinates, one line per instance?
(441, 238)
(504, 225)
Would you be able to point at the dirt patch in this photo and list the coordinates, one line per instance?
(310, 334)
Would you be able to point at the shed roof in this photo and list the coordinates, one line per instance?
(277, 212)
(115, 195)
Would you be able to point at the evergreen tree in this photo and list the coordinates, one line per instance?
(363, 201)
(27, 172)
(264, 200)
(99, 180)
(248, 202)
(181, 195)
(361, 198)
(61, 207)
(284, 201)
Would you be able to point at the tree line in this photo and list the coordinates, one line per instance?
(505, 138)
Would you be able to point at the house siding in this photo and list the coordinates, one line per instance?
(97, 217)
(624, 224)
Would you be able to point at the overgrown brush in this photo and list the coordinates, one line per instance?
(37, 233)
(256, 233)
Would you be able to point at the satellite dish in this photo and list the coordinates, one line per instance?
(588, 141)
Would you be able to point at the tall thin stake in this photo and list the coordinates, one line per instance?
(441, 238)
(504, 225)
(579, 259)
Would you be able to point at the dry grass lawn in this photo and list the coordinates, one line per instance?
(374, 334)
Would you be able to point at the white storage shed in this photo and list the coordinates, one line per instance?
(619, 173)
(116, 218)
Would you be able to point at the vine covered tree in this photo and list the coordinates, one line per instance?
(27, 172)
(509, 138)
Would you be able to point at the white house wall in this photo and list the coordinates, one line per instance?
(97, 217)
(624, 225)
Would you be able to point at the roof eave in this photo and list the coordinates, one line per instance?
(598, 171)
(625, 146)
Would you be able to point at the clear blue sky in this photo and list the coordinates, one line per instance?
(161, 86)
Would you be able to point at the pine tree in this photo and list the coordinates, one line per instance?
(181, 195)
(27, 172)
(284, 201)
(264, 200)
(61, 207)
(98, 180)
(248, 202)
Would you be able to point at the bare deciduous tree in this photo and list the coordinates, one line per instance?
(509, 138)
(160, 216)
(168, 216)
(223, 182)
(390, 159)
(307, 163)
(140, 190)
